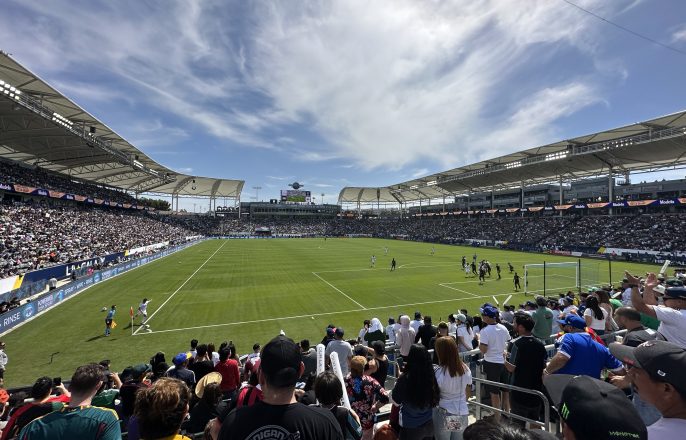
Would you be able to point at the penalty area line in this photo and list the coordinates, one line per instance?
(180, 287)
(339, 290)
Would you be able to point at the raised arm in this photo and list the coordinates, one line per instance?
(636, 298)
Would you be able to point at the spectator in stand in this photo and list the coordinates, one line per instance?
(202, 365)
(366, 395)
(417, 322)
(672, 314)
(405, 336)
(363, 332)
(492, 343)
(579, 354)
(251, 359)
(212, 353)
(79, 419)
(309, 358)
(251, 392)
(441, 330)
(161, 408)
(593, 409)
(426, 331)
(181, 371)
(604, 301)
(595, 316)
(526, 360)
(636, 334)
(543, 321)
(390, 331)
(329, 392)
(130, 387)
(3, 362)
(626, 292)
(42, 404)
(465, 334)
(453, 377)
(343, 348)
(206, 409)
(374, 333)
(656, 369)
(378, 365)
(279, 415)
(416, 392)
(231, 376)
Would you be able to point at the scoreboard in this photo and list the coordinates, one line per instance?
(292, 195)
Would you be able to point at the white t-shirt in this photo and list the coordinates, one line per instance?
(415, 324)
(452, 328)
(596, 324)
(569, 309)
(672, 324)
(453, 394)
(467, 335)
(665, 429)
(360, 336)
(390, 331)
(496, 337)
(626, 297)
(345, 352)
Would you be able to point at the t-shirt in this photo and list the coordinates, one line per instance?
(183, 374)
(345, 352)
(586, 356)
(467, 336)
(415, 324)
(672, 324)
(309, 359)
(638, 336)
(453, 390)
(496, 337)
(543, 323)
(665, 429)
(596, 324)
(231, 376)
(262, 421)
(201, 368)
(528, 355)
(626, 297)
(85, 422)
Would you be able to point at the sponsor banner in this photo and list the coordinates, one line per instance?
(619, 205)
(620, 251)
(579, 206)
(56, 194)
(6, 187)
(639, 202)
(562, 207)
(556, 252)
(69, 196)
(682, 200)
(668, 201)
(597, 205)
(9, 284)
(535, 208)
(54, 297)
(549, 208)
(24, 189)
(151, 247)
(491, 211)
(512, 209)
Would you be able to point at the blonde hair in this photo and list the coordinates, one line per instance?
(357, 364)
(161, 408)
(448, 356)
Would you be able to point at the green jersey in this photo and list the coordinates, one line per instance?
(84, 422)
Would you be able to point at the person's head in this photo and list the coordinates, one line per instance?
(201, 350)
(593, 409)
(572, 324)
(427, 320)
(603, 296)
(385, 432)
(41, 389)
(212, 394)
(451, 318)
(464, 312)
(523, 323)
(305, 344)
(113, 307)
(194, 344)
(627, 317)
(593, 305)
(86, 380)
(448, 356)
(357, 364)
(404, 321)
(211, 348)
(530, 305)
(366, 323)
(675, 297)
(442, 328)
(417, 316)
(256, 348)
(379, 348)
(541, 301)
(489, 314)
(421, 379)
(478, 322)
(339, 333)
(391, 321)
(489, 430)
(656, 369)
(280, 364)
(181, 360)
(224, 354)
(328, 389)
(161, 408)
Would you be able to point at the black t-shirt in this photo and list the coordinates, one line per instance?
(425, 333)
(638, 336)
(296, 421)
(201, 369)
(528, 354)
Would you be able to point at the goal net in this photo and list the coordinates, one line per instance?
(543, 278)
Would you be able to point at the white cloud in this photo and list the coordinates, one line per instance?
(679, 34)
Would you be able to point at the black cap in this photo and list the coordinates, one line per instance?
(662, 360)
(594, 409)
(417, 315)
(339, 332)
(675, 292)
(280, 362)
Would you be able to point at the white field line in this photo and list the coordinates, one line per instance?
(180, 287)
(317, 314)
(459, 290)
(338, 290)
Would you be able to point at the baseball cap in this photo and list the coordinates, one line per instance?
(181, 358)
(140, 369)
(461, 317)
(530, 304)
(675, 292)
(339, 331)
(489, 311)
(360, 350)
(207, 379)
(594, 409)
(573, 320)
(662, 360)
(280, 362)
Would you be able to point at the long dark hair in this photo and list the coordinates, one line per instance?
(592, 303)
(420, 377)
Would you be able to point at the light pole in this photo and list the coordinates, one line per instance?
(322, 199)
(257, 192)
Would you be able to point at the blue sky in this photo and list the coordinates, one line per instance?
(350, 93)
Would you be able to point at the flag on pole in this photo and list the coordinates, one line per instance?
(114, 325)
(131, 315)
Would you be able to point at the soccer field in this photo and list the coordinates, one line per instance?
(247, 291)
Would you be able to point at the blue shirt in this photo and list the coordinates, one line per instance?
(111, 313)
(586, 356)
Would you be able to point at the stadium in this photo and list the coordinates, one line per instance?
(90, 221)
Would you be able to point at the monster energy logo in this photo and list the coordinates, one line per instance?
(564, 412)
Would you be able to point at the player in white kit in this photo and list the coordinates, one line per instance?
(143, 310)
(372, 262)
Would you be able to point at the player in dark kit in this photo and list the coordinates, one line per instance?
(464, 261)
(511, 268)
(392, 265)
(482, 275)
(517, 286)
(497, 269)
(474, 267)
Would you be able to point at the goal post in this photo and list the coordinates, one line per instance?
(552, 277)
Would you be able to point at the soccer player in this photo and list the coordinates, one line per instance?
(474, 267)
(517, 286)
(109, 319)
(467, 270)
(511, 268)
(372, 262)
(474, 258)
(143, 310)
(488, 267)
(497, 269)
(385, 250)
(433, 251)
(464, 261)
(392, 264)
(482, 275)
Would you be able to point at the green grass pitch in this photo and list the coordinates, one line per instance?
(248, 290)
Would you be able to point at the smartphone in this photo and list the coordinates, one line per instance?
(57, 381)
